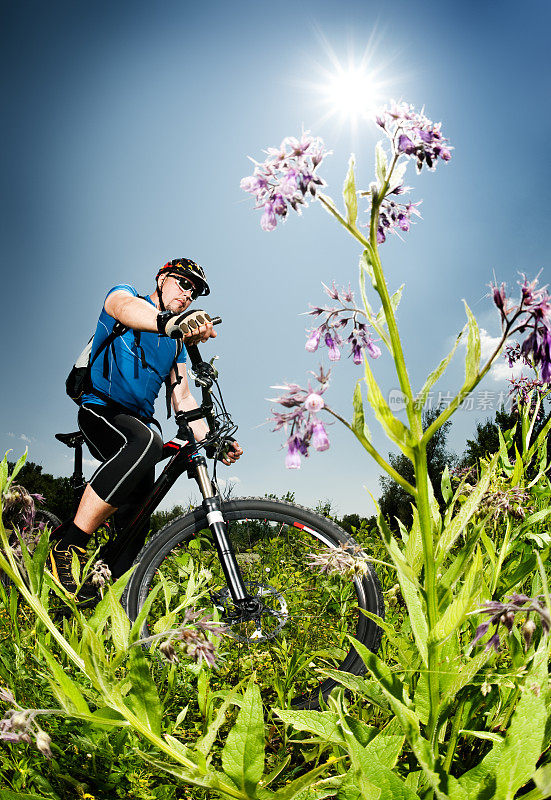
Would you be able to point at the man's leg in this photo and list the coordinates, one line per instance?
(128, 450)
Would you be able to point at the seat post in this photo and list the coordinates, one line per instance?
(77, 479)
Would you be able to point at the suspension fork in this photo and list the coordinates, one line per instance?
(213, 508)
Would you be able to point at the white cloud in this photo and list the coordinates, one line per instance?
(233, 480)
(11, 435)
(91, 462)
(24, 438)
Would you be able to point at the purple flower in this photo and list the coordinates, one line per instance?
(393, 216)
(286, 177)
(334, 352)
(313, 340)
(412, 134)
(320, 440)
(268, 220)
(292, 460)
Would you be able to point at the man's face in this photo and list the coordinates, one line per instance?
(175, 297)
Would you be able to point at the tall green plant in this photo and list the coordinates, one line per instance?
(440, 582)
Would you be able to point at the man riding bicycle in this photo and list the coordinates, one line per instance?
(115, 417)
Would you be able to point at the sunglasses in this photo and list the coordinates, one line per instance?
(186, 286)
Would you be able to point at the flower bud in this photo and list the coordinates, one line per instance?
(43, 742)
(314, 402)
(528, 630)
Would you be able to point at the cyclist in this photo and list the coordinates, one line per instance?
(116, 415)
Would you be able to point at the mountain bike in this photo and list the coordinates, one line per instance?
(249, 559)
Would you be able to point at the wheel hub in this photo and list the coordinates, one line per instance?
(259, 618)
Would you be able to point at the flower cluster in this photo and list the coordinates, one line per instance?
(192, 635)
(335, 319)
(505, 614)
(507, 501)
(532, 314)
(19, 507)
(100, 574)
(300, 421)
(19, 725)
(394, 217)
(286, 177)
(342, 560)
(413, 134)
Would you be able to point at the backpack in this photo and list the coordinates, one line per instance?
(79, 380)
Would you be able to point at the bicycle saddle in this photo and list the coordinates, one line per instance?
(70, 439)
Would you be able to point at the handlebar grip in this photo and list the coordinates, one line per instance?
(216, 320)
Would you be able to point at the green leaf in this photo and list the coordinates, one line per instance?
(464, 675)
(486, 735)
(297, 786)
(414, 547)
(102, 611)
(367, 765)
(206, 742)
(399, 642)
(3, 473)
(65, 690)
(475, 779)
(458, 523)
(397, 175)
(243, 753)
(7, 794)
(437, 373)
(410, 591)
(17, 468)
(472, 359)
(143, 698)
(446, 485)
(381, 163)
(457, 610)
(523, 743)
(394, 429)
(324, 724)
(394, 302)
(358, 422)
(386, 749)
(369, 689)
(349, 194)
(135, 631)
(120, 624)
(355, 786)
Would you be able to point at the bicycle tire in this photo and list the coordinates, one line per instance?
(270, 538)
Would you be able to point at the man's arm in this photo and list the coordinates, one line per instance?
(134, 312)
(183, 400)
(139, 315)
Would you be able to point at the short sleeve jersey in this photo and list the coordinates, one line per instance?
(128, 381)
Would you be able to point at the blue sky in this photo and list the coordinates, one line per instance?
(128, 130)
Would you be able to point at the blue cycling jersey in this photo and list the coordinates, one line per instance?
(128, 381)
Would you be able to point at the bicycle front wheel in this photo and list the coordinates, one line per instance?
(304, 617)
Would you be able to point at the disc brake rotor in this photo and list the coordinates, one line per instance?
(262, 622)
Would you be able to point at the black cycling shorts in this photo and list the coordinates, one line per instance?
(127, 448)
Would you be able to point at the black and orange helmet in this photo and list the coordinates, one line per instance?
(189, 269)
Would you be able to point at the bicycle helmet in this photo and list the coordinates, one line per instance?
(189, 269)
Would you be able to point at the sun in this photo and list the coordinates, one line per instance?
(352, 93)
(349, 89)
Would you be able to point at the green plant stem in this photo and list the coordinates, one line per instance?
(377, 456)
(458, 722)
(33, 601)
(503, 551)
(425, 524)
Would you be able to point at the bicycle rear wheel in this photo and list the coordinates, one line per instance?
(304, 617)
